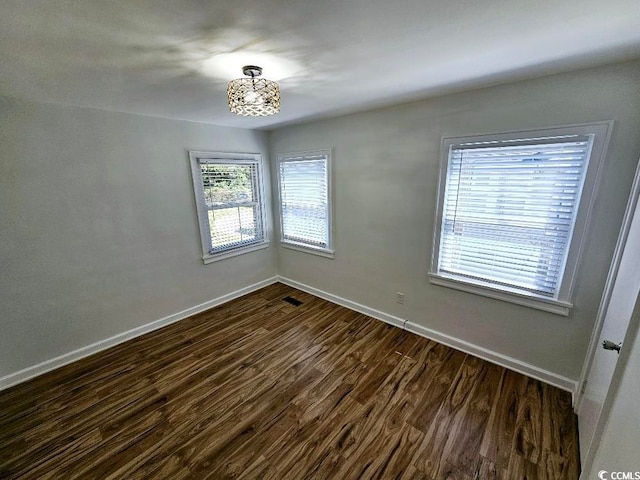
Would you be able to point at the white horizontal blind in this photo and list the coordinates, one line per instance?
(231, 199)
(304, 200)
(509, 211)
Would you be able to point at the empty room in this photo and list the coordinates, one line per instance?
(319, 240)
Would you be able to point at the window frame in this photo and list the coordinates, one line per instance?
(562, 302)
(227, 158)
(329, 251)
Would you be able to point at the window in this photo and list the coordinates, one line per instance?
(512, 211)
(304, 181)
(229, 201)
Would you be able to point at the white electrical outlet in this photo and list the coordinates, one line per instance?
(399, 297)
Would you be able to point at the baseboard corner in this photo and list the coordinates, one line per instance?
(33, 371)
(519, 366)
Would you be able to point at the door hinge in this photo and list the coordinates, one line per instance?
(584, 387)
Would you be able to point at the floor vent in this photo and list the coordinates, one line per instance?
(292, 301)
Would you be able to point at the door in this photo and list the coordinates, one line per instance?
(621, 294)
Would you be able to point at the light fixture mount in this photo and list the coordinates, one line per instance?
(252, 71)
(252, 96)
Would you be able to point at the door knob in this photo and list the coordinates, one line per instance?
(609, 345)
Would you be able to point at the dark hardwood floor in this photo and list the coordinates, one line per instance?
(262, 389)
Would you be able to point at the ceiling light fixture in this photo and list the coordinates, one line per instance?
(253, 97)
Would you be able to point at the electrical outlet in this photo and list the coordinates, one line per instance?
(399, 297)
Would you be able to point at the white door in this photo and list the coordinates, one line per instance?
(621, 294)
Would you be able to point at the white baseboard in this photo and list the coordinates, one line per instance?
(472, 349)
(519, 366)
(511, 363)
(377, 314)
(44, 367)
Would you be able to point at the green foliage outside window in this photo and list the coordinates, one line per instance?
(227, 183)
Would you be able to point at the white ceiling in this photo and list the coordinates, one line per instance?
(153, 57)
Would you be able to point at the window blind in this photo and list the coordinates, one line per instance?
(509, 211)
(304, 201)
(231, 198)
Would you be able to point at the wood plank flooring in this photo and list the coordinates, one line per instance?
(262, 389)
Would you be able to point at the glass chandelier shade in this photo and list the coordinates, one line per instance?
(253, 97)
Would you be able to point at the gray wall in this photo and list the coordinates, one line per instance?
(385, 171)
(98, 227)
(98, 230)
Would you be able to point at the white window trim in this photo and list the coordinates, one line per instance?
(300, 247)
(329, 251)
(562, 304)
(203, 219)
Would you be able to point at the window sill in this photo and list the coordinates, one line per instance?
(307, 249)
(235, 252)
(557, 307)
